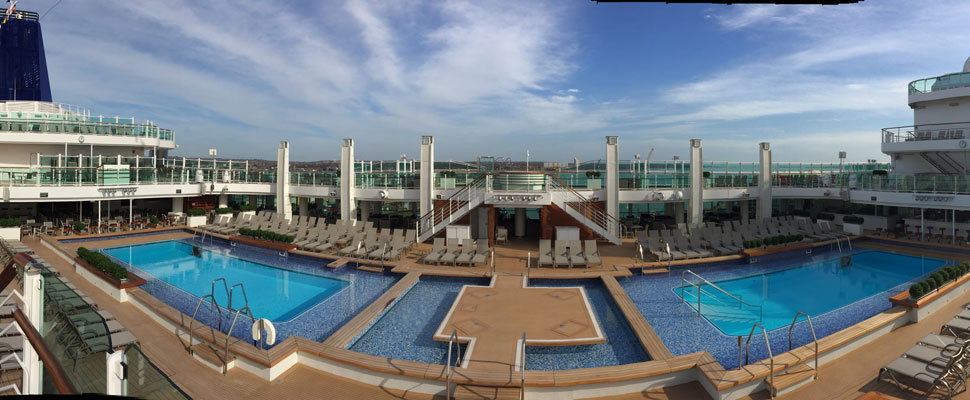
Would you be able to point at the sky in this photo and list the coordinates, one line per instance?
(499, 78)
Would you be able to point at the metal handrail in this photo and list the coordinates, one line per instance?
(771, 357)
(687, 271)
(449, 367)
(245, 299)
(814, 338)
(522, 369)
(249, 313)
(192, 321)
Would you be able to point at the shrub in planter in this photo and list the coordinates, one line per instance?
(224, 210)
(707, 174)
(247, 207)
(102, 263)
(153, 220)
(9, 222)
(880, 172)
(80, 226)
(758, 243)
(593, 174)
(925, 286)
(853, 219)
(825, 216)
(916, 290)
(195, 212)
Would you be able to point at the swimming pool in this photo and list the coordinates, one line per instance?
(272, 293)
(773, 298)
(683, 331)
(405, 331)
(316, 315)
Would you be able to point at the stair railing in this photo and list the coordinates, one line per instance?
(452, 204)
(573, 199)
(771, 357)
(814, 338)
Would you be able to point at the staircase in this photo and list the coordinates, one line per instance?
(943, 162)
(455, 206)
(581, 209)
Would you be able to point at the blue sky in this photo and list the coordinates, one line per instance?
(497, 78)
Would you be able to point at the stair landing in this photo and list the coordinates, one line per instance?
(486, 392)
(792, 378)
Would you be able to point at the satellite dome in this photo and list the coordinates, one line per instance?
(966, 65)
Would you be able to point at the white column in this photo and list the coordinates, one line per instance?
(612, 192)
(177, 204)
(426, 183)
(519, 222)
(34, 311)
(695, 205)
(679, 212)
(764, 182)
(223, 200)
(744, 211)
(348, 200)
(283, 181)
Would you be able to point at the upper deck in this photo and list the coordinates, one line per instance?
(33, 122)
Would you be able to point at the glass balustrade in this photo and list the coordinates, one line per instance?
(124, 128)
(943, 82)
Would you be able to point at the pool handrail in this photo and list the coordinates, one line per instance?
(814, 338)
(449, 367)
(245, 298)
(191, 330)
(212, 291)
(249, 313)
(683, 279)
(522, 369)
(771, 357)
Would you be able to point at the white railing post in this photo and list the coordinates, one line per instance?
(116, 374)
(34, 309)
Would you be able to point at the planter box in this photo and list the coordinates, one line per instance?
(195, 221)
(12, 233)
(263, 243)
(852, 229)
(594, 183)
(108, 284)
(934, 300)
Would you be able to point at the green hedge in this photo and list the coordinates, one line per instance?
(853, 219)
(102, 263)
(224, 210)
(825, 216)
(195, 212)
(593, 174)
(80, 226)
(772, 241)
(880, 172)
(247, 207)
(9, 222)
(937, 279)
(266, 235)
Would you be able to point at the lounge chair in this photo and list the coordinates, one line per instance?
(545, 253)
(928, 377)
(592, 253)
(467, 252)
(356, 243)
(481, 252)
(685, 248)
(451, 253)
(695, 245)
(437, 249)
(560, 256)
(654, 247)
(576, 254)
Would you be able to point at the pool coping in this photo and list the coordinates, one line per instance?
(662, 370)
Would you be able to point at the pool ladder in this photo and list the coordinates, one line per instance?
(771, 376)
(449, 366)
(244, 310)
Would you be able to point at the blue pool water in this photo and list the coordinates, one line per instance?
(272, 293)
(773, 298)
(405, 330)
(683, 331)
(320, 318)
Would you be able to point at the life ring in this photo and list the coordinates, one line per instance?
(264, 324)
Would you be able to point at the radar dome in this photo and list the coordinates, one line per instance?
(966, 65)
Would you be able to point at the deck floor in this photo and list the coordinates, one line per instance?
(848, 377)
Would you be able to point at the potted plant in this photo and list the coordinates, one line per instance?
(852, 224)
(10, 228)
(593, 181)
(195, 217)
(80, 228)
(248, 209)
(224, 210)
